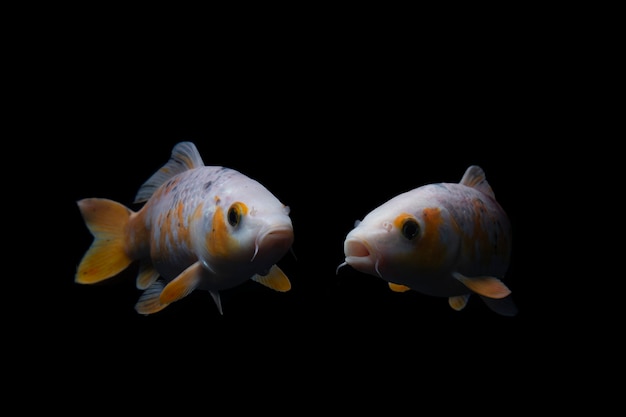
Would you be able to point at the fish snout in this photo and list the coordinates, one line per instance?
(361, 256)
(356, 248)
(274, 242)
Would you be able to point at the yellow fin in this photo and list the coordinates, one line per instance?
(183, 284)
(150, 302)
(106, 257)
(275, 279)
(487, 286)
(147, 275)
(398, 287)
(458, 302)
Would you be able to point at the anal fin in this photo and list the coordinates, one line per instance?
(150, 302)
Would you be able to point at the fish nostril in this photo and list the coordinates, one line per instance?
(356, 248)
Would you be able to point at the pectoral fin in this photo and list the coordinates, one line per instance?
(275, 279)
(183, 284)
(398, 287)
(486, 286)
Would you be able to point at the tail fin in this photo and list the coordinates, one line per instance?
(106, 257)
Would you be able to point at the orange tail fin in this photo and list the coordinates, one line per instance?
(106, 257)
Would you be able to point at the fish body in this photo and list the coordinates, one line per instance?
(201, 228)
(445, 240)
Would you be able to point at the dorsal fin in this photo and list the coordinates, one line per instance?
(475, 177)
(185, 156)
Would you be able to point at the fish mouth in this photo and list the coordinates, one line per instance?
(361, 257)
(356, 249)
(274, 240)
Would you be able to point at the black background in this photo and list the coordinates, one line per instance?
(332, 135)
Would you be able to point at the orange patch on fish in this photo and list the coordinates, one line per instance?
(180, 207)
(162, 231)
(219, 241)
(182, 229)
(197, 213)
(429, 245)
(401, 218)
(166, 223)
(480, 243)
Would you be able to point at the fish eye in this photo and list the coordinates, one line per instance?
(410, 229)
(234, 215)
(236, 212)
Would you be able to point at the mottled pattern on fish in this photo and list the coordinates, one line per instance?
(177, 209)
(443, 239)
(479, 221)
(201, 227)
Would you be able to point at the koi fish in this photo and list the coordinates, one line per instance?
(201, 228)
(444, 240)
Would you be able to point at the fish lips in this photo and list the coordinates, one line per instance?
(274, 241)
(360, 256)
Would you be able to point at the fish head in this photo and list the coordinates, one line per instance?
(246, 233)
(402, 243)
